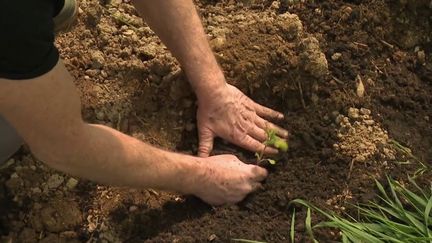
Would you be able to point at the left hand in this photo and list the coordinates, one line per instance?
(236, 118)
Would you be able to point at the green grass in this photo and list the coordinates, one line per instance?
(423, 167)
(400, 216)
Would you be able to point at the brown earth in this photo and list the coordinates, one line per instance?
(350, 76)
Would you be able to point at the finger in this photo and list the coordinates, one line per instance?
(258, 133)
(251, 144)
(206, 139)
(267, 112)
(268, 125)
(258, 173)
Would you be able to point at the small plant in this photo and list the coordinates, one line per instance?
(272, 140)
(401, 216)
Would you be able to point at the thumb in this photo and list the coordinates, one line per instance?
(206, 138)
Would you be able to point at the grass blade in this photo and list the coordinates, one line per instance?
(308, 224)
(292, 231)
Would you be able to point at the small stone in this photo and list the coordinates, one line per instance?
(218, 43)
(92, 72)
(212, 237)
(104, 74)
(97, 89)
(14, 175)
(71, 183)
(360, 89)
(275, 5)
(353, 113)
(421, 56)
(345, 120)
(55, 181)
(91, 227)
(133, 208)
(339, 119)
(98, 59)
(346, 12)
(369, 122)
(426, 118)
(336, 56)
(365, 111)
(128, 32)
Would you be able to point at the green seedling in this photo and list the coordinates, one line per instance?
(274, 141)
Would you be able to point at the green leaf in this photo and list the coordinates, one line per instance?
(281, 144)
(426, 215)
(292, 232)
(308, 224)
(271, 161)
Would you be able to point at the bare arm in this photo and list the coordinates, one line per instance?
(177, 24)
(46, 112)
(223, 110)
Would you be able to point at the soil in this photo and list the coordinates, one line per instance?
(350, 76)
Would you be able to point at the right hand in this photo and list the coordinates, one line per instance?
(227, 180)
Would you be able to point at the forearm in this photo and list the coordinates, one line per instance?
(178, 25)
(46, 111)
(107, 156)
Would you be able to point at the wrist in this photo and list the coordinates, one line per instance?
(208, 84)
(191, 177)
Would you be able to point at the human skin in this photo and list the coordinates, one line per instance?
(223, 110)
(46, 112)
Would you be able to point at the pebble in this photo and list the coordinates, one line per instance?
(353, 113)
(55, 181)
(133, 208)
(98, 59)
(71, 183)
(369, 122)
(365, 111)
(421, 56)
(339, 119)
(275, 5)
(212, 237)
(92, 72)
(336, 56)
(218, 43)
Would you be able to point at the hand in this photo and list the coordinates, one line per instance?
(236, 118)
(227, 180)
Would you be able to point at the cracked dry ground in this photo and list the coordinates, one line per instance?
(350, 76)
